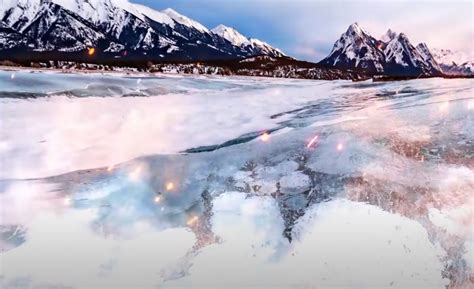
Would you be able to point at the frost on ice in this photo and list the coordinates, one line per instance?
(245, 179)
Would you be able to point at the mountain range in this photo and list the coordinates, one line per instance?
(454, 62)
(393, 54)
(119, 30)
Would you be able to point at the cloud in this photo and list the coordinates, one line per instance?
(309, 52)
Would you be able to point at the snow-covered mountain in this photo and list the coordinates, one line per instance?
(9, 38)
(388, 36)
(252, 45)
(402, 58)
(454, 62)
(428, 56)
(356, 49)
(45, 26)
(183, 20)
(392, 55)
(116, 27)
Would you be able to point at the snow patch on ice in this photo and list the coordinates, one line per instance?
(62, 249)
(340, 244)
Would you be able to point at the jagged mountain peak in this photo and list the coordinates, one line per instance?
(171, 11)
(356, 30)
(264, 48)
(393, 54)
(146, 11)
(231, 34)
(221, 27)
(422, 46)
(428, 56)
(354, 27)
(186, 21)
(356, 49)
(388, 36)
(236, 38)
(403, 37)
(405, 59)
(401, 51)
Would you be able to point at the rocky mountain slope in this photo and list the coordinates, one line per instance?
(356, 49)
(253, 45)
(117, 28)
(392, 55)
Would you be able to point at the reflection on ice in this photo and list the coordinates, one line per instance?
(335, 247)
(355, 184)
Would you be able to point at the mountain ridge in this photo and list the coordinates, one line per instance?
(454, 62)
(356, 49)
(125, 33)
(236, 38)
(116, 27)
(392, 55)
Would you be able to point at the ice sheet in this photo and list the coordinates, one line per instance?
(254, 177)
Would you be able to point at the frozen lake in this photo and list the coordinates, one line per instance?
(115, 181)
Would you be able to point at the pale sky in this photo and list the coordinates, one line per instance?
(308, 29)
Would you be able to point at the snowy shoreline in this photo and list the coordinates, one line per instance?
(134, 73)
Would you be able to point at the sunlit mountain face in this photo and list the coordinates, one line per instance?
(393, 54)
(118, 29)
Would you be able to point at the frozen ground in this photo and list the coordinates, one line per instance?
(184, 182)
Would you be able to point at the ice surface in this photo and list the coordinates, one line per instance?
(231, 168)
(336, 248)
(178, 117)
